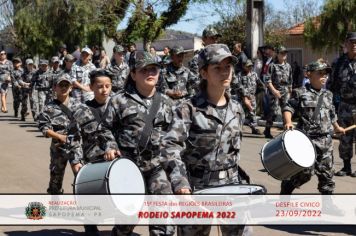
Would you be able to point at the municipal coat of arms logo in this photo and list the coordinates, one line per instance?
(35, 211)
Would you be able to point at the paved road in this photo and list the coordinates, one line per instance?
(24, 161)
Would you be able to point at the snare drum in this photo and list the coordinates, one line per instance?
(120, 176)
(242, 189)
(288, 154)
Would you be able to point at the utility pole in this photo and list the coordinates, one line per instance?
(255, 26)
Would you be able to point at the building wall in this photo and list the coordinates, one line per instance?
(308, 55)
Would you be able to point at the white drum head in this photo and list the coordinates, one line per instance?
(126, 178)
(299, 148)
(231, 189)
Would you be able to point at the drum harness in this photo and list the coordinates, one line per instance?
(315, 115)
(146, 133)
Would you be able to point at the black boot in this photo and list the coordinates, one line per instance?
(346, 170)
(16, 114)
(287, 187)
(255, 131)
(23, 118)
(91, 230)
(267, 133)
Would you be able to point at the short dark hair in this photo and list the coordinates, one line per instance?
(99, 73)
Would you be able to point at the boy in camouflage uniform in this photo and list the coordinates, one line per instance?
(118, 68)
(246, 85)
(343, 83)
(26, 89)
(204, 139)
(125, 120)
(80, 76)
(6, 68)
(209, 36)
(40, 88)
(177, 81)
(56, 122)
(89, 117)
(279, 82)
(317, 122)
(16, 87)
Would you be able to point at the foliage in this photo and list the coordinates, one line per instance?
(41, 26)
(329, 29)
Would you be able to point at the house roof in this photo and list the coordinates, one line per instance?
(298, 29)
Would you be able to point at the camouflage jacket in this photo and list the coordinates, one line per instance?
(80, 73)
(280, 75)
(53, 118)
(343, 79)
(193, 64)
(53, 75)
(120, 73)
(245, 85)
(125, 122)
(41, 80)
(89, 124)
(203, 137)
(181, 79)
(304, 101)
(6, 67)
(16, 77)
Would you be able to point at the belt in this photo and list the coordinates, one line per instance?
(215, 174)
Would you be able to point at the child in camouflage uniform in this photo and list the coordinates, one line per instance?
(304, 101)
(204, 138)
(247, 82)
(55, 123)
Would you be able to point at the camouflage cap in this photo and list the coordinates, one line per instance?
(210, 32)
(69, 57)
(141, 59)
(281, 49)
(317, 66)
(248, 62)
(63, 77)
(351, 36)
(29, 61)
(177, 50)
(118, 48)
(213, 54)
(87, 50)
(43, 62)
(16, 59)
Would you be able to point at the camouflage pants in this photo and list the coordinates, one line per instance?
(25, 96)
(276, 105)
(323, 168)
(347, 117)
(57, 166)
(39, 101)
(250, 116)
(17, 96)
(156, 183)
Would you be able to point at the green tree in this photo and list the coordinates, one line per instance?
(328, 31)
(41, 25)
(148, 20)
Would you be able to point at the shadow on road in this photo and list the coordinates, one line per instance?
(320, 230)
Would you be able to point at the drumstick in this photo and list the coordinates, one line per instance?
(350, 128)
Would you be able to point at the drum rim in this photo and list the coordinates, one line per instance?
(285, 151)
(76, 176)
(233, 184)
(108, 173)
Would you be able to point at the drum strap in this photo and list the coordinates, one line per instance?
(64, 108)
(318, 106)
(146, 132)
